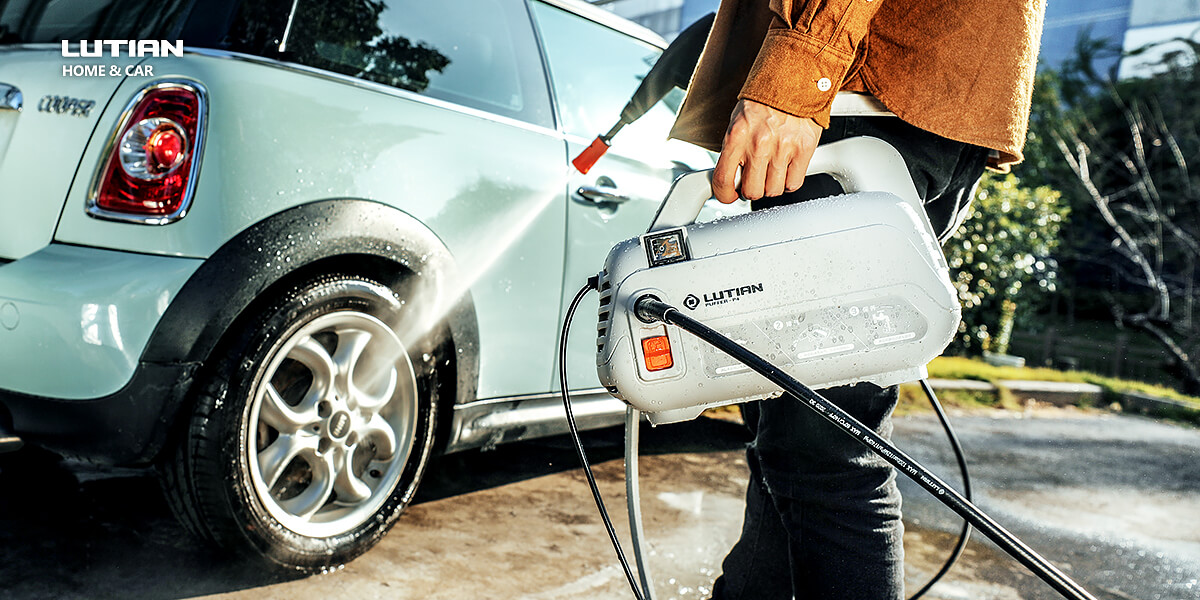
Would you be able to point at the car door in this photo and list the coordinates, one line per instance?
(594, 69)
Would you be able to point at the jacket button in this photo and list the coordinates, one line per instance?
(824, 84)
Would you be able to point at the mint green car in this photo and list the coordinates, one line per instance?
(323, 242)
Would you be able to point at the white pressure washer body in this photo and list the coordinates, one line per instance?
(851, 288)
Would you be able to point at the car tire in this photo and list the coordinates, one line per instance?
(310, 429)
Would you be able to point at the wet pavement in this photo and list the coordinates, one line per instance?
(1113, 500)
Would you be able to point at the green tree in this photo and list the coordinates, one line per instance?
(1002, 257)
(1120, 152)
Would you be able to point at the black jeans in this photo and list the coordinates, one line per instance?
(823, 512)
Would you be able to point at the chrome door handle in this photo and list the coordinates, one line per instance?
(601, 196)
(10, 97)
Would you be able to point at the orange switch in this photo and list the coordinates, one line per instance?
(657, 351)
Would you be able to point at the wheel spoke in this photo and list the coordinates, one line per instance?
(350, 489)
(275, 458)
(310, 353)
(381, 435)
(352, 343)
(375, 395)
(317, 493)
(284, 418)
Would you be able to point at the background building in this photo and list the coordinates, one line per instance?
(1152, 21)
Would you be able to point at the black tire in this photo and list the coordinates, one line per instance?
(291, 452)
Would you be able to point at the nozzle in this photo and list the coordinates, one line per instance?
(587, 159)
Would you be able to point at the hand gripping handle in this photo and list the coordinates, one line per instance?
(859, 164)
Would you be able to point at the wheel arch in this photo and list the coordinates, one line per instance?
(354, 236)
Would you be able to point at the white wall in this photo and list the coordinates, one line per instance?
(1160, 12)
(1144, 64)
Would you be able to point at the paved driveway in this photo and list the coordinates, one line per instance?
(1111, 499)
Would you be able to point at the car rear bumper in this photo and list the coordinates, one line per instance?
(74, 322)
(125, 428)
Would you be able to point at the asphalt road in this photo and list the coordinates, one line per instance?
(1112, 500)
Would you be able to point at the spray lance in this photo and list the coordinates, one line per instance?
(698, 315)
(672, 70)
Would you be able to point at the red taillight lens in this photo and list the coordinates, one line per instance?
(147, 172)
(152, 148)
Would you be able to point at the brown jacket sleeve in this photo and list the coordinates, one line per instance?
(807, 53)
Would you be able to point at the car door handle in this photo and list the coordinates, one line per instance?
(10, 97)
(600, 196)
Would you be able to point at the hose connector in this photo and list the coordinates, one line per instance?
(649, 309)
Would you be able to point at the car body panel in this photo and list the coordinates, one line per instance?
(282, 137)
(59, 109)
(74, 320)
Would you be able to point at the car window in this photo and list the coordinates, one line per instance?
(480, 53)
(42, 21)
(594, 71)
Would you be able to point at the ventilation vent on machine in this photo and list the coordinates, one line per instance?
(605, 320)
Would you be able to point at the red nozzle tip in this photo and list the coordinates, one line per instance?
(587, 159)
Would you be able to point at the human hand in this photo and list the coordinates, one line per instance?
(773, 149)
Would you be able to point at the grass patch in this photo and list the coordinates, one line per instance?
(913, 400)
(956, 367)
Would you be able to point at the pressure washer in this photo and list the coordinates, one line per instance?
(701, 315)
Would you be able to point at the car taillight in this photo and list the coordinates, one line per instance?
(150, 165)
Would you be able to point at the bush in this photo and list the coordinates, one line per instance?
(1001, 259)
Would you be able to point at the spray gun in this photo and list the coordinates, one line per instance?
(672, 70)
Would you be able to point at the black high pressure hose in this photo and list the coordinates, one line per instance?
(592, 284)
(960, 545)
(965, 535)
(649, 309)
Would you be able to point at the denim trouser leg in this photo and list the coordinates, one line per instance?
(822, 513)
(757, 565)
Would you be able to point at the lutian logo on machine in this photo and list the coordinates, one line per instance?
(129, 48)
(719, 297)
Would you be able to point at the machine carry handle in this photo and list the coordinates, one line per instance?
(859, 164)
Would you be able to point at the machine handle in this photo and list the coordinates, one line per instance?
(859, 164)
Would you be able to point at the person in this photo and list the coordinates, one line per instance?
(822, 513)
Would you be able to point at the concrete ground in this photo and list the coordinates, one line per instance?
(1113, 500)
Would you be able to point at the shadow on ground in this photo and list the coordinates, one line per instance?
(72, 530)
